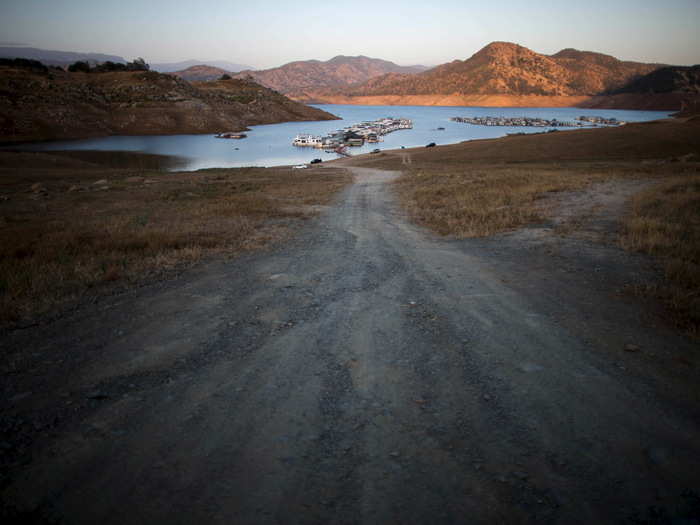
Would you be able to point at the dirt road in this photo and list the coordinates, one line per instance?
(365, 372)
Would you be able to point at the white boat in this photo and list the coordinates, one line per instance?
(308, 140)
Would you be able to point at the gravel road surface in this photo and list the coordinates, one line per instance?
(364, 372)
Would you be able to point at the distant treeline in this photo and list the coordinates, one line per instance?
(80, 66)
(25, 63)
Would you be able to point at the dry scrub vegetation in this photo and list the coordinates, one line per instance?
(70, 227)
(484, 200)
(484, 187)
(665, 222)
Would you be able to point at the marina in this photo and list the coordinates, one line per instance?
(355, 135)
(536, 122)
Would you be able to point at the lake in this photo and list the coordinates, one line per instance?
(271, 144)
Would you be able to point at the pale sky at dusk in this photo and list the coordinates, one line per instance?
(270, 33)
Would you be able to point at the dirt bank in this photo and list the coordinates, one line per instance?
(660, 102)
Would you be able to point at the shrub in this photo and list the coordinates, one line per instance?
(138, 64)
(109, 66)
(79, 66)
(24, 63)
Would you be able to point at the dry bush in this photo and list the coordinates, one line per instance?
(665, 221)
(68, 237)
(479, 201)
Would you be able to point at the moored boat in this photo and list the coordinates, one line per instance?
(231, 135)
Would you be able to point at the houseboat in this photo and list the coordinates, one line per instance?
(231, 135)
(305, 140)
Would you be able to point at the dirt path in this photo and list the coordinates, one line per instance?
(365, 372)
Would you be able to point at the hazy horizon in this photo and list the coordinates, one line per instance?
(273, 33)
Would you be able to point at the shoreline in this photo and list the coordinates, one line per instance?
(631, 102)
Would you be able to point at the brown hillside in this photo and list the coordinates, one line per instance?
(510, 69)
(340, 71)
(507, 74)
(58, 105)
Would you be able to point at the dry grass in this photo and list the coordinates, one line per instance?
(484, 200)
(665, 222)
(62, 236)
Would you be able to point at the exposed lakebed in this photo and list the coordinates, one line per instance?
(271, 144)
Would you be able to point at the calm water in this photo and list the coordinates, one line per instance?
(270, 145)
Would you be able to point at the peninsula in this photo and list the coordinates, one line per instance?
(41, 103)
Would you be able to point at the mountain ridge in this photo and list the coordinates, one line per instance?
(342, 70)
(171, 67)
(201, 73)
(504, 73)
(52, 57)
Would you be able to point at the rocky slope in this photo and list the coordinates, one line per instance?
(296, 78)
(57, 105)
(503, 73)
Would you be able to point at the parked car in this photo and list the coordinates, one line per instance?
(431, 145)
(377, 150)
(315, 161)
(299, 167)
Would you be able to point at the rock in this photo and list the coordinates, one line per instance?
(631, 348)
(99, 182)
(73, 188)
(487, 397)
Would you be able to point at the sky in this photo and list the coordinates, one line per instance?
(266, 34)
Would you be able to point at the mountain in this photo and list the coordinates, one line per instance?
(674, 88)
(54, 104)
(340, 71)
(55, 58)
(502, 74)
(672, 79)
(510, 69)
(170, 67)
(201, 73)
